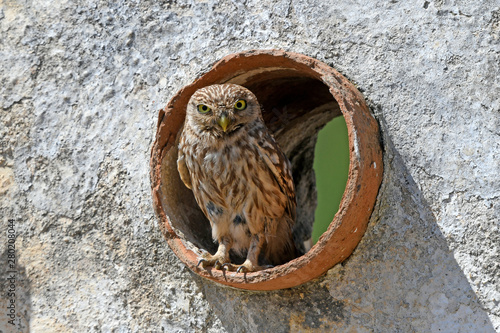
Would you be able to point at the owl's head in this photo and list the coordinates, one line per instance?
(222, 109)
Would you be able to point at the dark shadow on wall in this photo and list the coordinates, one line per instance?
(401, 278)
(16, 287)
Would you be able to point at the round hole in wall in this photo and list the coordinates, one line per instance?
(299, 96)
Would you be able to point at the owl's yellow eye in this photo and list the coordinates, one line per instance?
(202, 108)
(240, 105)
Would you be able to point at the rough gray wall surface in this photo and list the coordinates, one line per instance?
(81, 84)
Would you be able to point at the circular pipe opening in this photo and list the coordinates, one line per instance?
(299, 95)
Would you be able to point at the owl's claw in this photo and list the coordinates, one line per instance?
(217, 264)
(231, 267)
(225, 266)
(202, 260)
(246, 267)
(210, 260)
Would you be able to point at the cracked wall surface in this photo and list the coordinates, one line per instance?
(80, 86)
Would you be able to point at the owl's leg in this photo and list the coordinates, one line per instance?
(220, 257)
(251, 264)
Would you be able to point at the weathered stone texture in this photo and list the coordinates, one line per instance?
(80, 86)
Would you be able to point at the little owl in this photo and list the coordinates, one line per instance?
(240, 178)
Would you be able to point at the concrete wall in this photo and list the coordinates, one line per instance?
(80, 86)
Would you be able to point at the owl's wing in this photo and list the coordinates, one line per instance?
(279, 165)
(183, 170)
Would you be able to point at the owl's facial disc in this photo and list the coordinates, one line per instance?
(222, 109)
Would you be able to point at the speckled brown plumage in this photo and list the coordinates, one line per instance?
(239, 176)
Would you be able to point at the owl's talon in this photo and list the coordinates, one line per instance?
(202, 260)
(248, 267)
(208, 260)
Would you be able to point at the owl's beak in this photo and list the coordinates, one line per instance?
(223, 121)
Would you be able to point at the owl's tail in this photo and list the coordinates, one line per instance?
(280, 247)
